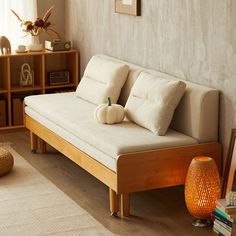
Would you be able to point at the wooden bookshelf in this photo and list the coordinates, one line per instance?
(41, 63)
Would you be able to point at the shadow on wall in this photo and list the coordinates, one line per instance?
(226, 118)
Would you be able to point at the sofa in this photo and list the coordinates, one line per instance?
(127, 157)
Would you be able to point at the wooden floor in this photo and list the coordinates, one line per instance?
(158, 212)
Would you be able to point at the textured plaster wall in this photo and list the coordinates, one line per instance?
(192, 39)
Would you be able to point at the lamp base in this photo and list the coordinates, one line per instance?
(201, 223)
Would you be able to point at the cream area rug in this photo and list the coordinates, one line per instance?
(32, 205)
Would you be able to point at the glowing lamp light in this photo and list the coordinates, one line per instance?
(202, 189)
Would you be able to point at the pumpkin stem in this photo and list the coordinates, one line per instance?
(109, 101)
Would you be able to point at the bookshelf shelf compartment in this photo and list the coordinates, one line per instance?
(41, 63)
(62, 62)
(35, 63)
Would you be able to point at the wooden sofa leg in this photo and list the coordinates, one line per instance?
(33, 142)
(114, 202)
(125, 204)
(42, 146)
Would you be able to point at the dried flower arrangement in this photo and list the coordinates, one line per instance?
(40, 24)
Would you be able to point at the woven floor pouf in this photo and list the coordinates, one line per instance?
(6, 161)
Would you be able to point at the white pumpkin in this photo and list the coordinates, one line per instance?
(109, 113)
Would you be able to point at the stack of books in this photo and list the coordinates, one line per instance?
(224, 218)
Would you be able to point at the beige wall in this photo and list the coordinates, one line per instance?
(58, 14)
(192, 39)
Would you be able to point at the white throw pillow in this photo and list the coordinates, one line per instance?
(152, 102)
(102, 78)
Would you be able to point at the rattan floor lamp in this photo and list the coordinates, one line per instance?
(202, 189)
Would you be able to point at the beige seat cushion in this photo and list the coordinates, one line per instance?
(102, 79)
(103, 142)
(152, 102)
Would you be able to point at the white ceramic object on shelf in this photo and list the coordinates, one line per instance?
(21, 49)
(35, 45)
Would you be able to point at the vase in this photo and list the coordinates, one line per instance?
(35, 45)
(202, 189)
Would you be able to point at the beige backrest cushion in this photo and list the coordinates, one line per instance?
(152, 102)
(197, 113)
(102, 78)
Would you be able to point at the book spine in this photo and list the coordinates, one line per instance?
(222, 205)
(217, 231)
(230, 215)
(222, 230)
(231, 212)
(222, 219)
(230, 229)
(225, 215)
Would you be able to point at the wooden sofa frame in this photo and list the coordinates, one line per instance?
(135, 171)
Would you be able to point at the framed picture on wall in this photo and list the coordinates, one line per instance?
(229, 182)
(130, 7)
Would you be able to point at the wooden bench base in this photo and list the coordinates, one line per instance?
(135, 171)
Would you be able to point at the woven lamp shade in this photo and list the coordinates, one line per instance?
(6, 161)
(202, 187)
